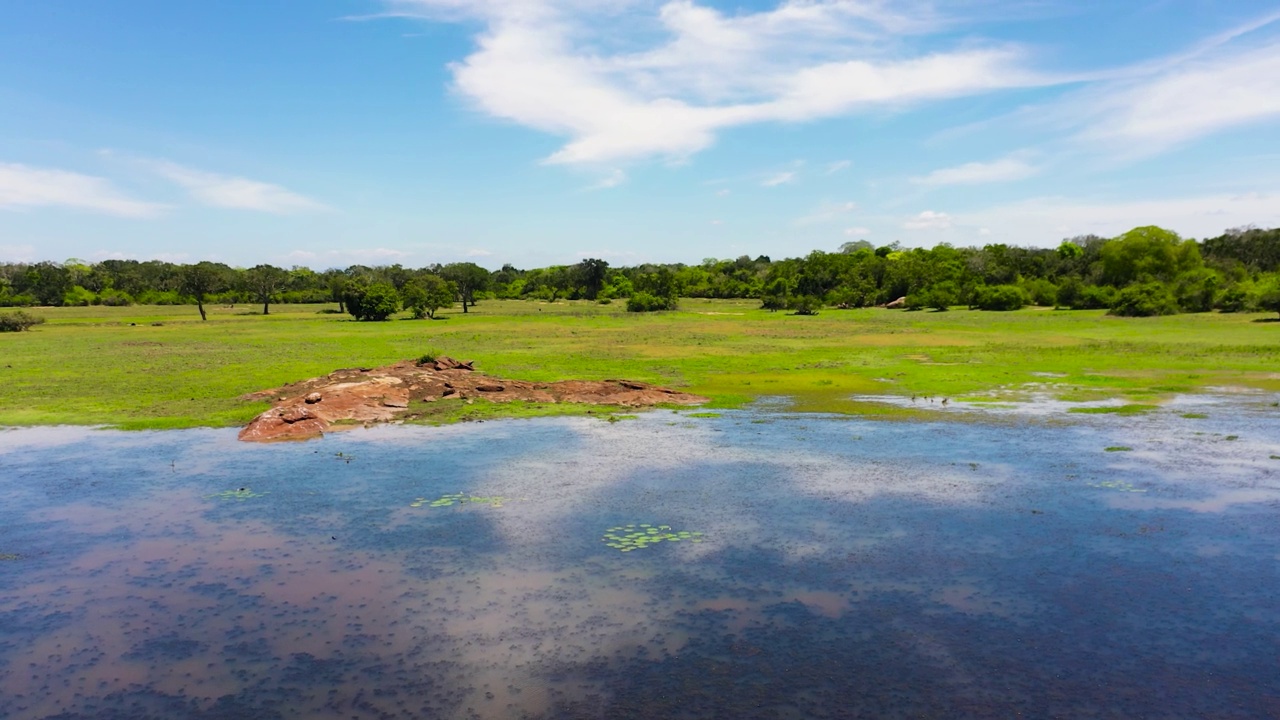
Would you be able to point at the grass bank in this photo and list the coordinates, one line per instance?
(160, 367)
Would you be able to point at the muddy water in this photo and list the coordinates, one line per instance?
(811, 568)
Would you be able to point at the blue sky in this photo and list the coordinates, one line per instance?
(332, 132)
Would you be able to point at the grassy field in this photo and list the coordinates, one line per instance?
(160, 367)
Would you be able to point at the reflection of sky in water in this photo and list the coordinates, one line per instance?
(850, 568)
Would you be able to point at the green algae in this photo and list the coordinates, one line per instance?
(629, 538)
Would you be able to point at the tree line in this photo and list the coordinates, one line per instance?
(1146, 271)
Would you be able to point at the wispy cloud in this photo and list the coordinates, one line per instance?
(556, 65)
(827, 212)
(228, 191)
(17, 253)
(1187, 101)
(975, 173)
(782, 178)
(857, 232)
(22, 186)
(612, 180)
(928, 220)
(835, 167)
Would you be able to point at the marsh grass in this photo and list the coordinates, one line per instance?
(117, 366)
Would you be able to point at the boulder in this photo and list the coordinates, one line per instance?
(899, 303)
(313, 398)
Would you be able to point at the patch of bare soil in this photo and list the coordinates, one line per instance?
(362, 396)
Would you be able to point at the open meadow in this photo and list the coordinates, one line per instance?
(161, 367)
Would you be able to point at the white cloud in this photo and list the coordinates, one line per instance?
(928, 220)
(612, 180)
(857, 232)
(22, 186)
(226, 191)
(836, 167)
(723, 193)
(17, 253)
(1003, 170)
(622, 81)
(717, 222)
(353, 255)
(827, 212)
(782, 178)
(478, 252)
(1045, 221)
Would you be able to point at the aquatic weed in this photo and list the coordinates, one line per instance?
(452, 499)
(627, 538)
(239, 495)
(1117, 485)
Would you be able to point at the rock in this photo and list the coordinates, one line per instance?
(631, 385)
(490, 388)
(297, 413)
(899, 303)
(448, 391)
(313, 398)
(395, 403)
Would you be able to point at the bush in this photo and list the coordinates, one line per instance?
(1068, 293)
(115, 298)
(154, 297)
(375, 302)
(79, 297)
(999, 297)
(1095, 297)
(1041, 292)
(644, 302)
(773, 303)
(1237, 298)
(1144, 300)
(805, 305)
(17, 300)
(18, 321)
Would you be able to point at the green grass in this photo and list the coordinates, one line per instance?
(1115, 410)
(160, 367)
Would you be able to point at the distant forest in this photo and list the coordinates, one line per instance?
(1146, 271)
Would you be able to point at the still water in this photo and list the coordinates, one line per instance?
(753, 565)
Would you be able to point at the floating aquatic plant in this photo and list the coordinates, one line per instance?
(1119, 448)
(626, 538)
(239, 495)
(9, 556)
(1117, 485)
(461, 499)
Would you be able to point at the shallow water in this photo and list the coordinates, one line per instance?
(846, 568)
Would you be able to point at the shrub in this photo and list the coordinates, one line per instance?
(1069, 292)
(999, 297)
(79, 297)
(155, 297)
(604, 301)
(644, 302)
(18, 321)
(375, 302)
(773, 303)
(1041, 292)
(1237, 298)
(17, 300)
(115, 298)
(1095, 297)
(1269, 295)
(805, 305)
(1144, 300)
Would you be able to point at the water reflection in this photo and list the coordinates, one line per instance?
(846, 569)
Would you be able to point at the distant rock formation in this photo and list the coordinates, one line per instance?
(362, 396)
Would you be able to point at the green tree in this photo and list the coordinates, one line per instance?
(468, 278)
(1269, 295)
(201, 280)
(376, 302)
(1148, 253)
(426, 294)
(591, 274)
(265, 282)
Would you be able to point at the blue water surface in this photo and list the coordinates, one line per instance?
(809, 567)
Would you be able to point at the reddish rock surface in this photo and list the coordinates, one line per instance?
(362, 396)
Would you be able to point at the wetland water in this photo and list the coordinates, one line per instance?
(778, 566)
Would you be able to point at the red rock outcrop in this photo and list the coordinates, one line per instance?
(362, 396)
